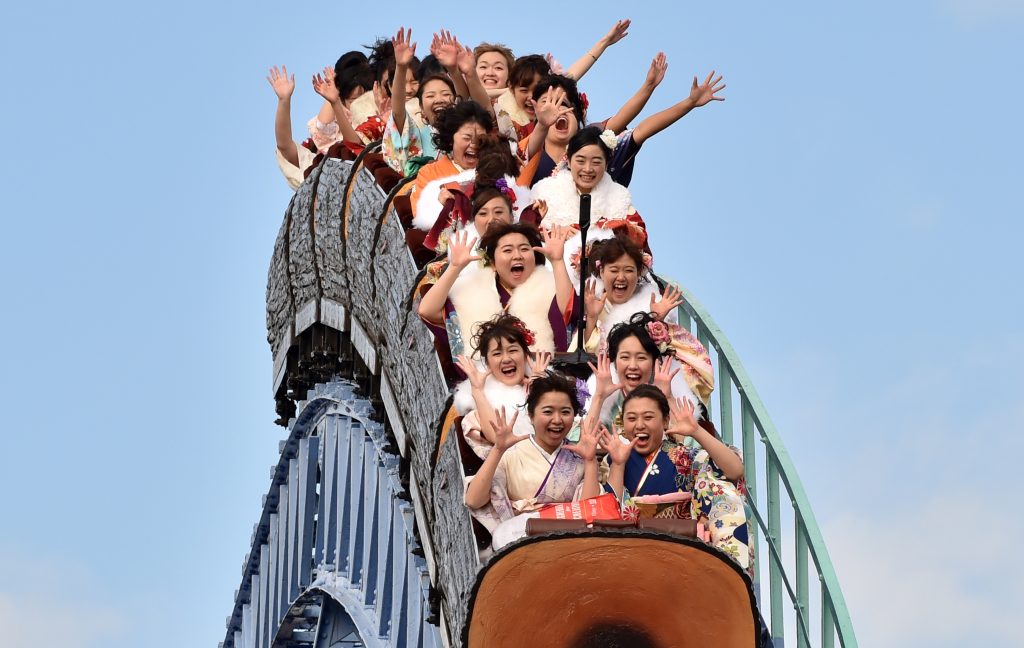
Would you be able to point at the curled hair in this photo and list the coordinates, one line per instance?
(586, 137)
(489, 239)
(552, 382)
(483, 48)
(496, 161)
(572, 93)
(503, 327)
(608, 251)
(451, 119)
(382, 61)
(651, 392)
(352, 71)
(636, 327)
(526, 69)
(444, 78)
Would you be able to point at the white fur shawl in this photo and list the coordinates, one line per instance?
(608, 200)
(476, 300)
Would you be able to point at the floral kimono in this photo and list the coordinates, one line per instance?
(408, 150)
(526, 479)
(680, 481)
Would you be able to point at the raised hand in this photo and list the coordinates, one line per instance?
(551, 108)
(539, 363)
(586, 447)
(541, 206)
(591, 302)
(603, 377)
(704, 93)
(617, 451)
(671, 298)
(466, 61)
(554, 242)
(282, 84)
(324, 85)
(619, 31)
(663, 375)
(681, 419)
(656, 73)
(504, 436)
(404, 51)
(469, 367)
(460, 250)
(446, 48)
(381, 99)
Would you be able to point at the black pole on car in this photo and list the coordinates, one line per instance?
(575, 363)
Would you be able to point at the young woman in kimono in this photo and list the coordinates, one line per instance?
(521, 474)
(509, 276)
(408, 140)
(620, 287)
(499, 373)
(460, 130)
(646, 351)
(611, 205)
(657, 476)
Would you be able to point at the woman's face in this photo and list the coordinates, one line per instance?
(564, 127)
(412, 86)
(513, 260)
(436, 97)
(466, 144)
(492, 69)
(633, 363)
(506, 360)
(524, 96)
(494, 210)
(642, 420)
(620, 277)
(587, 166)
(552, 419)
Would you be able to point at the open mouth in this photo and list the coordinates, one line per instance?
(587, 178)
(470, 156)
(517, 270)
(619, 289)
(508, 369)
(642, 437)
(562, 124)
(632, 377)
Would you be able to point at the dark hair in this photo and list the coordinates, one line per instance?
(526, 68)
(608, 251)
(652, 392)
(635, 327)
(414, 67)
(552, 382)
(586, 137)
(572, 93)
(483, 194)
(496, 161)
(489, 239)
(430, 66)
(447, 80)
(451, 119)
(352, 71)
(382, 61)
(502, 327)
(483, 48)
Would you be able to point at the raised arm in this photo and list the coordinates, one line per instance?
(554, 250)
(547, 114)
(682, 423)
(403, 56)
(629, 111)
(431, 307)
(478, 492)
(593, 305)
(700, 95)
(284, 87)
(618, 455)
(586, 449)
(467, 67)
(619, 31)
(603, 388)
(446, 49)
(477, 379)
(324, 86)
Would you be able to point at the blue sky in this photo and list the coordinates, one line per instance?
(851, 216)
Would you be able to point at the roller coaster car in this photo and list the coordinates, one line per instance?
(607, 587)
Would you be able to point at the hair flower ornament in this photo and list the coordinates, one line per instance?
(582, 393)
(528, 335)
(659, 334)
(609, 139)
(503, 186)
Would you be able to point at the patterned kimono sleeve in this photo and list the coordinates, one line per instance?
(399, 146)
